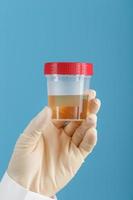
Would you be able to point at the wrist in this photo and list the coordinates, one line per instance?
(15, 191)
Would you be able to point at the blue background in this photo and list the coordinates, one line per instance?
(33, 32)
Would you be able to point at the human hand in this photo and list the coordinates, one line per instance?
(48, 154)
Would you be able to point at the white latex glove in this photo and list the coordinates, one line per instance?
(48, 154)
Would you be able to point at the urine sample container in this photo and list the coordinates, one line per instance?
(67, 87)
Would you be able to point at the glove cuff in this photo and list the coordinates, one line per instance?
(9, 189)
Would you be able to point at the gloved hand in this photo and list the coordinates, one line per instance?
(48, 154)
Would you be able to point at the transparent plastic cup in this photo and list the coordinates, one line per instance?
(68, 85)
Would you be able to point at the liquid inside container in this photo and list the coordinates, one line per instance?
(69, 107)
(68, 95)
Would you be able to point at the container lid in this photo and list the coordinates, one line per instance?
(71, 68)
